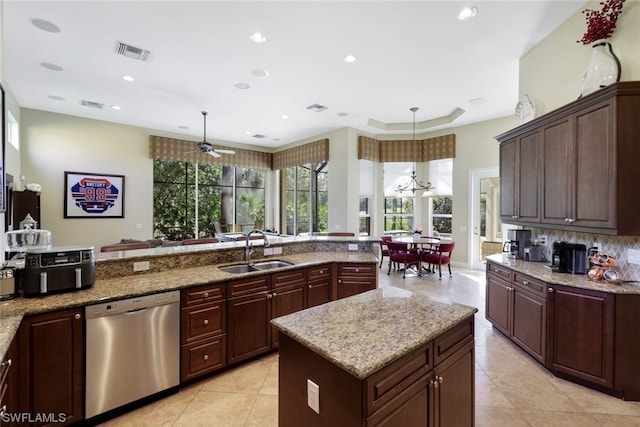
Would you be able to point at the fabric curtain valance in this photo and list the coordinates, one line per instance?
(186, 151)
(442, 147)
(312, 152)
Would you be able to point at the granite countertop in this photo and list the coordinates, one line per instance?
(540, 271)
(12, 311)
(366, 332)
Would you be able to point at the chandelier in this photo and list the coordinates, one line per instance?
(415, 185)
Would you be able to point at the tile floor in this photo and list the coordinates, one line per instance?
(511, 388)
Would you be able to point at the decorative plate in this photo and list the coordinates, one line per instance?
(525, 109)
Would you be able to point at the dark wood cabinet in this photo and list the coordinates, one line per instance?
(519, 181)
(203, 331)
(9, 385)
(318, 289)
(249, 312)
(586, 165)
(287, 296)
(52, 369)
(353, 279)
(25, 202)
(453, 389)
(582, 334)
(516, 305)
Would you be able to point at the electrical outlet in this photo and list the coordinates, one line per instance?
(141, 266)
(277, 250)
(313, 396)
(353, 246)
(268, 251)
(633, 256)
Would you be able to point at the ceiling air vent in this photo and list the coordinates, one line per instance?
(92, 104)
(316, 107)
(259, 136)
(132, 52)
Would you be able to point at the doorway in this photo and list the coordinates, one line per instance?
(486, 236)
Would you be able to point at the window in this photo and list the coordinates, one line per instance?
(442, 215)
(13, 131)
(305, 199)
(398, 207)
(189, 197)
(441, 175)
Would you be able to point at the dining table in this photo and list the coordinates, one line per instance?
(420, 244)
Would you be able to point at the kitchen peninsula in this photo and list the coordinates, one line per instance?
(384, 357)
(224, 317)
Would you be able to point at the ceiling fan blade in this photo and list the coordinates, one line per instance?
(220, 150)
(213, 153)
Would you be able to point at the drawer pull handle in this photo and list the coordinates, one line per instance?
(77, 316)
(206, 357)
(206, 321)
(525, 282)
(206, 294)
(321, 271)
(310, 286)
(550, 289)
(357, 270)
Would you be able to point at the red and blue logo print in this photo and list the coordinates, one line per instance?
(94, 195)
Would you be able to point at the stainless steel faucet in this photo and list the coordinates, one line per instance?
(248, 250)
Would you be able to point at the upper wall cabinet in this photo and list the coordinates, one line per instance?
(574, 168)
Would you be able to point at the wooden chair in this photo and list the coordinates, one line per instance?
(399, 253)
(439, 256)
(200, 241)
(217, 227)
(384, 249)
(124, 247)
(341, 233)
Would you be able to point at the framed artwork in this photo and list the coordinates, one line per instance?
(93, 195)
(3, 188)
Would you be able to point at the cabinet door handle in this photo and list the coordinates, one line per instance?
(339, 280)
(205, 357)
(310, 286)
(6, 363)
(525, 282)
(275, 294)
(269, 296)
(206, 294)
(206, 321)
(440, 380)
(77, 316)
(357, 270)
(321, 271)
(550, 289)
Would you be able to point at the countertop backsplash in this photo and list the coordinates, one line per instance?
(615, 246)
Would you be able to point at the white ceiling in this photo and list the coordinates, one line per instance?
(414, 53)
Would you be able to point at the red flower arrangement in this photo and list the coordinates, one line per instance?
(601, 23)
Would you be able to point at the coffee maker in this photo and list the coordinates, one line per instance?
(569, 258)
(517, 240)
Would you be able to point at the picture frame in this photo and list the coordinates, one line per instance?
(93, 195)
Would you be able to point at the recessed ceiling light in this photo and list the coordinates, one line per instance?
(183, 127)
(467, 13)
(249, 132)
(343, 114)
(350, 58)
(51, 67)
(257, 37)
(241, 85)
(260, 73)
(128, 78)
(284, 116)
(115, 107)
(44, 25)
(56, 97)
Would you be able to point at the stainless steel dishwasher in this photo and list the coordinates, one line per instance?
(133, 350)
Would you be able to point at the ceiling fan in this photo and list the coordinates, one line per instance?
(207, 147)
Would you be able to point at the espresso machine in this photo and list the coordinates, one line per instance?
(517, 240)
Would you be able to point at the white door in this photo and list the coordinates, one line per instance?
(486, 235)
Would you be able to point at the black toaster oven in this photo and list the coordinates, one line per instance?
(58, 269)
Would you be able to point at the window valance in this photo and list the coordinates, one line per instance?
(312, 152)
(186, 151)
(441, 147)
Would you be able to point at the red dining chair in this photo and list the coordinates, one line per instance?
(200, 241)
(440, 255)
(384, 250)
(399, 253)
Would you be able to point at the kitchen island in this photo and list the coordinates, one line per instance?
(385, 357)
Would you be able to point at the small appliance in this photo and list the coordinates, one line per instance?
(533, 253)
(517, 240)
(569, 258)
(58, 269)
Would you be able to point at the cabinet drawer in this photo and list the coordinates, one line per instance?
(205, 321)
(288, 278)
(358, 270)
(201, 294)
(385, 384)
(203, 357)
(249, 286)
(452, 340)
(500, 271)
(318, 273)
(530, 284)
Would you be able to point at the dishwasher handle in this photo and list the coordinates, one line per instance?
(136, 311)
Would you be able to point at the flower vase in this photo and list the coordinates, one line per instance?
(603, 69)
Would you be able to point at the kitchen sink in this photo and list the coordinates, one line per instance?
(258, 266)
